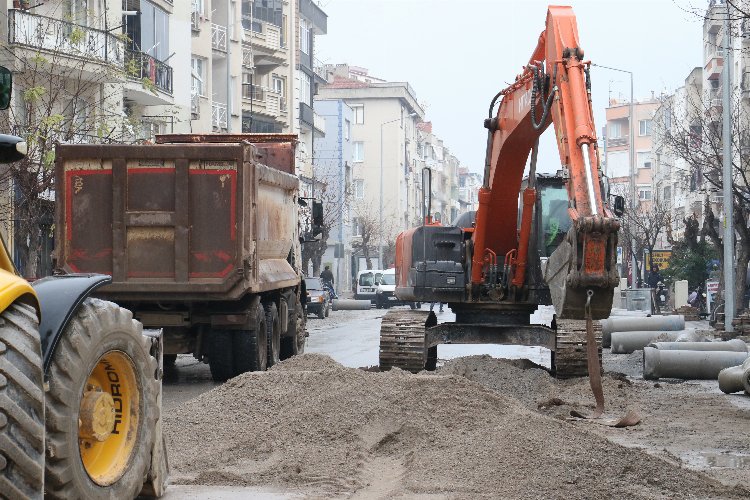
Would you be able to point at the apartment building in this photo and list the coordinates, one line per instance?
(432, 153)
(695, 110)
(468, 190)
(88, 72)
(333, 170)
(253, 70)
(384, 146)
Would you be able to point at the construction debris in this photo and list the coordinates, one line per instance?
(690, 313)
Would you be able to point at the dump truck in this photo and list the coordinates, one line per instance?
(200, 234)
(80, 382)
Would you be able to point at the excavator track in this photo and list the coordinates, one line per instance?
(569, 358)
(403, 340)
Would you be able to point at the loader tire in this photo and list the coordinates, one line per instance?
(220, 357)
(293, 342)
(273, 336)
(101, 406)
(250, 347)
(21, 404)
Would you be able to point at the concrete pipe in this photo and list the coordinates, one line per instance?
(688, 364)
(735, 345)
(627, 342)
(633, 324)
(351, 305)
(735, 378)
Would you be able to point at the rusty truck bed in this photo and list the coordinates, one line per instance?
(177, 220)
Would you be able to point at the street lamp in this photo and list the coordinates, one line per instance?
(631, 157)
(380, 231)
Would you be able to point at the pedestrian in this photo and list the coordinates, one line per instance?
(432, 304)
(327, 275)
(654, 276)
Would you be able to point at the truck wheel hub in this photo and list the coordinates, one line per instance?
(97, 416)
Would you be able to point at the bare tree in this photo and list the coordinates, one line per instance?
(334, 205)
(697, 140)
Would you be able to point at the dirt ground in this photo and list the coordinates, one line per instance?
(477, 428)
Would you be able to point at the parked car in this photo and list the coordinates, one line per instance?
(318, 299)
(385, 292)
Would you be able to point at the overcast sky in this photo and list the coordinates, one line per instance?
(457, 54)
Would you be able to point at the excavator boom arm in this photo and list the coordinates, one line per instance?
(552, 89)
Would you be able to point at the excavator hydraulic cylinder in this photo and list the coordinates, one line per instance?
(688, 364)
(735, 378)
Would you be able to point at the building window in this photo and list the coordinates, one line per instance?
(615, 130)
(278, 85)
(644, 159)
(356, 227)
(644, 127)
(359, 113)
(148, 32)
(644, 193)
(268, 11)
(667, 193)
(198, 66)
(358, 188)
(358, 151)
(304, 36)
(198, 7)
(256, 125)
(304, 88)
(347, 130)
(667, 119)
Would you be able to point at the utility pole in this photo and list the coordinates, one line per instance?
(727, 177)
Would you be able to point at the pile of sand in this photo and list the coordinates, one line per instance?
(314, 425)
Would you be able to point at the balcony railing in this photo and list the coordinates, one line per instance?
(219, 37)
(617, 141)
(219, 115)
(64, 38)
(140, 66)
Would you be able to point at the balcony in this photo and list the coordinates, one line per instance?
(219, 37)
(219, 116)
(265, 101)
(267, 46)
(145, 68)
(714, 64)
(247, 57)
(64, 38)
(616, 142)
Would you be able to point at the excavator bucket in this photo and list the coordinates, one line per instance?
(570, 301)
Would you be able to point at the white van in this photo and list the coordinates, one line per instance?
(367, 282)
(385, 292)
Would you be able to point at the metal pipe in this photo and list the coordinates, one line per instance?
(695, 365)
(629, 324)
(627, 342)
(735, 378)
(734, 345)
(351, 305)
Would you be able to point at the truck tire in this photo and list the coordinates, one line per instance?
(220, 357)
(250, 347)
(273, 337)
(101, 363)
(21, 404)
(293, 342)
(322, 312)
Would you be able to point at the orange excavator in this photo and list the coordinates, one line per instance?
(533, 241)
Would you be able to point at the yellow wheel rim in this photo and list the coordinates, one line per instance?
(108, 418)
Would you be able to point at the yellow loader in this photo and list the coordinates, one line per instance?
(80, 384)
